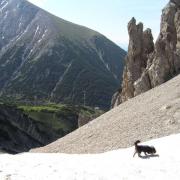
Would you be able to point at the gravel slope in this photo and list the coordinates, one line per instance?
(153, 114)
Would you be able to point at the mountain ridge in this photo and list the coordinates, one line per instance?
(43, 49)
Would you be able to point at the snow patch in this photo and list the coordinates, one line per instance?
(114, 165)
(20, 24)
(37, 29)
(101, 55)
(44, 34)
(4, 4)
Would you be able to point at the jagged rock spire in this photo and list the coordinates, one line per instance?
(140, 46)
(147, 65)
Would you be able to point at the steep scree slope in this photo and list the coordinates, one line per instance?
(153, 114)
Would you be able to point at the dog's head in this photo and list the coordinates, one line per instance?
(153, 150)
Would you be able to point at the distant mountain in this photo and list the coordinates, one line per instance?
(44, 57)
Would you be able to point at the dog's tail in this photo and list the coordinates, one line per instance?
(138, 141)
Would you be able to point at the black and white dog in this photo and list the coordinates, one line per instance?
(145, 149)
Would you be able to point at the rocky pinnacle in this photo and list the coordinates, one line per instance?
(149, 65)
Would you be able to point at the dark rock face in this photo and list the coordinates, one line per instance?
(177, 2)
(47, 58)
(85, 119)
(23, 127)
(151, 65)
(19, 133)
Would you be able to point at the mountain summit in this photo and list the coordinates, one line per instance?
(44, 57)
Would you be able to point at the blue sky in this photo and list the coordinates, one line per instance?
(109, 17)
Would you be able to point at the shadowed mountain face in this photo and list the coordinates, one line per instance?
(19, 133)
(23, 127)
(47, 58)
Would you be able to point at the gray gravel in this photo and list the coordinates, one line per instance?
(153, 114)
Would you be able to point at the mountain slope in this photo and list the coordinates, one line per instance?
(47, 58)
(153, 114)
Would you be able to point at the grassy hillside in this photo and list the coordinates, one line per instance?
(62, 118)
(24, 126)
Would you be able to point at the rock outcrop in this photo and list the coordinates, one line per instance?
(84, 119)
(19, 133)
(23, 127)
(140, 47)
(149, 65)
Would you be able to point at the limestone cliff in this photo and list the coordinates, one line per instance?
(149, 65)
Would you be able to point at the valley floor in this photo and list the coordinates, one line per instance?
(114, 165)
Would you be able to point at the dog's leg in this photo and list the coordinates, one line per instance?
(134, 153)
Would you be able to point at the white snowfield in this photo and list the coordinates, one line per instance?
(114, 165)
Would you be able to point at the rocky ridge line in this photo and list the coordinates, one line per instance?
(149, 65)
